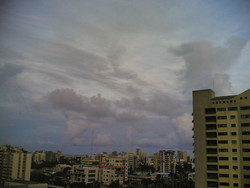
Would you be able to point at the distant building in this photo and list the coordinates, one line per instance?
(132, 160)
(39, 157)
(84, 174)
(221, 139)
(121, 162)
(191, 176)
(181, 156)
(109, 174)
(165, 161)
(46, 156)
(15, 163)
(106, 169)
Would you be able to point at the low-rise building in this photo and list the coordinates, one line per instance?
(84, 174)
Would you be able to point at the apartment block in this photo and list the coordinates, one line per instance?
(109, 174)
(221, 139)
(120, 165)
(165, 161)
(15, 163)
(84, 174)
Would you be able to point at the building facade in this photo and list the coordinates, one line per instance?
(15, 163)
(84, 174)
(165, 161)
(221, 139)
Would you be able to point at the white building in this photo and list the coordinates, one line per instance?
(84, 174)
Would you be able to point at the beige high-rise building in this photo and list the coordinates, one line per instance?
(15, 163)
(165, 161)
(221, 139)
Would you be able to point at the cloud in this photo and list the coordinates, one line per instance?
(222, 84)
(67, 99)
(7, 71)
(203, 60)
(80, 131)
(122, 110)
(183, 126)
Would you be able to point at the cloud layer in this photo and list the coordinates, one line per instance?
(115, 75)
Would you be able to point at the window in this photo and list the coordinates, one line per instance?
(211, 159)
(245, 125)
(210, 110)
(210, 119)
(233, 133)
(223, 158)
(246, 185)
(246, 150)
(232, 117)
(212, 167)
(211, 135)
(221, 109)
(211, 151)
(224, 184)
(222, 142)
(235, 175)
(234, 150)
(246, 158)
(222, 125)
(233, 125)
(223, 150)
(245, 116)
(223, 167)
(245, 107)
(212, 184)
(245, 141)
(211, 127)
(247, 176)
(236, 185)
(235, 167)
(224, 175)
(235, 158)
(246, 167)
(212, 175)
(232, 108)
(222, 133)
(234, 141)
(211, 143)
(221, 117)
(246, 133)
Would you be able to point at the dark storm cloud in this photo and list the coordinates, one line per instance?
(67, 99)
(203, 60)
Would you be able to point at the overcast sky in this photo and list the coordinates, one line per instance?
(86, 76)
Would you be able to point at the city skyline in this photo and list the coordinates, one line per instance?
(92, 76)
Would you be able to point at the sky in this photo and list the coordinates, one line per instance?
(91, 76)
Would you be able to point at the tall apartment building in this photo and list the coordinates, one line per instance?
(165, 161)
(221, 139)
(15, 163)
(181, 156)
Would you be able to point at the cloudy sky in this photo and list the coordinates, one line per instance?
(86, 76)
